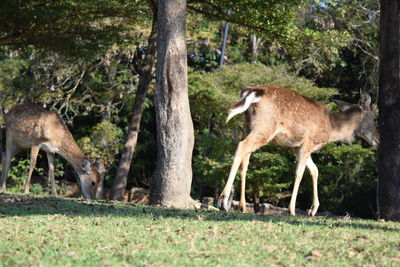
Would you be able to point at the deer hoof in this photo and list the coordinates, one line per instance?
(312, 211)
(242, 208)
(224, 203)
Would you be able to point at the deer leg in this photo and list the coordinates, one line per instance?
(34, 153)
(301, 165)
(245, 147)
(50, 160)
(228, 186)
(314, 175)
(11, 150)
(243, 171)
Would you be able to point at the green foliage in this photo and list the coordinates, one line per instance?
(272, 170)
(316, 52)
(19, 172)
(274, 18)
(10, 68)
(359, 21)
(72, 27)
(287, 30)
(70, 87)
(102, 143)
(348, 178)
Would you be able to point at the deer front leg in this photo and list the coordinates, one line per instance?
(314, 175)
(34, 154)
(243, 171)
(50, 160)
(301, 164)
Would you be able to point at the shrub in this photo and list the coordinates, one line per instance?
(102, 143)
(19, 172)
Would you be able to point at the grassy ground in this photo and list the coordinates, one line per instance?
(45, 231)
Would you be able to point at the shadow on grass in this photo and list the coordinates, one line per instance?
(26, 205)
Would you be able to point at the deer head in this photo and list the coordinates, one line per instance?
(368, 127)
(89, 178)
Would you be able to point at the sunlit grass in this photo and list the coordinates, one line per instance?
(44, 231)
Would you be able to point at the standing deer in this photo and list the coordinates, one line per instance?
(30, 126)
(278, 114)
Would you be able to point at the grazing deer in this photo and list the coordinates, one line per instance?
(278, 114)
(30, 126)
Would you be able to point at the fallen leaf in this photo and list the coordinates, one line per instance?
(351, 254)
(316, 253)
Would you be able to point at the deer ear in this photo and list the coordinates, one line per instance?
(343, 105)
(365, 100)
(86, 165)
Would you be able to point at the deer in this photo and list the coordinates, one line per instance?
(280, 115)
(29, 126)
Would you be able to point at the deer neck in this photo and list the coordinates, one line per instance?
(344, 124)
(70, 151)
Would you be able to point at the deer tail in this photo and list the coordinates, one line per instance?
(248, 98)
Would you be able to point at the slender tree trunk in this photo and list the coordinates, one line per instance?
(145, 78)
(171, 181)
(254, 44)
(2, 141)
(389, 112)
(256, 197)
(2, 148)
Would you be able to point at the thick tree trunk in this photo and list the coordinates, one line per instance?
(171, 181)
(389, 112)
(145, 78)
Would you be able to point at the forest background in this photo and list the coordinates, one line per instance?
(84, 59)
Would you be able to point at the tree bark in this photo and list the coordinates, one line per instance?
(389, 112)
(171, 181)
(121, 179)
(254, 44)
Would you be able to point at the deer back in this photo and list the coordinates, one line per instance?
(293, 118)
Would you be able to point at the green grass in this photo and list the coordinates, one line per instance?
(46, 231)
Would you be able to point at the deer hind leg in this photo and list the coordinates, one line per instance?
(243, 171)
(11, 150)
(34, 154)
(50, 160)
(301, 164)
(314, 175)
(245, 147)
